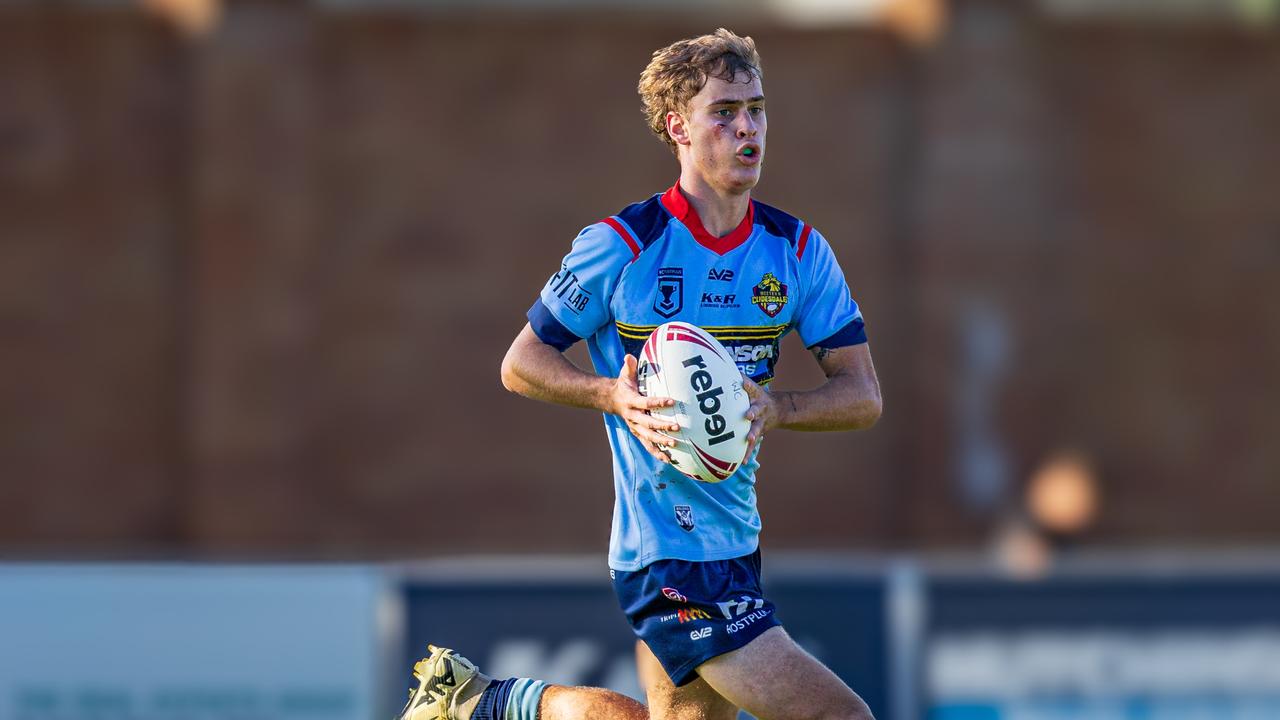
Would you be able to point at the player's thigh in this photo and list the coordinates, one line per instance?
(694, 701)
(773, 678)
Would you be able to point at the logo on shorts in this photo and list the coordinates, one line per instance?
(684, 517)
(670, 297)
(700, 634)
(733, 609)
(685, 615)
(770, 295)
(673, 594)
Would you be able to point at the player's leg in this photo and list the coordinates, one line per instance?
(694, 701)
(586, 703)
(452, 688)
(773, 678)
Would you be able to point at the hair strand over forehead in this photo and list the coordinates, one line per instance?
(679, 71)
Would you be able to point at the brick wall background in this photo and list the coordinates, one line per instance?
(255, 288)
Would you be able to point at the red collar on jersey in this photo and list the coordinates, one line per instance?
(678, 205)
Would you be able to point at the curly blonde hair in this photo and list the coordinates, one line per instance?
(680, 70)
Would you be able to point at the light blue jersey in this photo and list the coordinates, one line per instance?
(654, 262)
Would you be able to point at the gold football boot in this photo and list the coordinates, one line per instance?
(449, 687)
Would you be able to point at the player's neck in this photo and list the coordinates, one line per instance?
(720, 212)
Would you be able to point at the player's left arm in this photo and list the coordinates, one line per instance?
(830, 322)
(848, 400)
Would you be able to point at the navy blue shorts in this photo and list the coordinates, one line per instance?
(689, 612)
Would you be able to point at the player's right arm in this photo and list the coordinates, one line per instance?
(572, 306)
(537, 370)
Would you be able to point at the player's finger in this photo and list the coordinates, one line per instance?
(755, 433)
(650, 437)
(661, 424)
(753, 390)
(642, 418)
(658, 453)
(648, 403)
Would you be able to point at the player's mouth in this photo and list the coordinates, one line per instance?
(749, 154)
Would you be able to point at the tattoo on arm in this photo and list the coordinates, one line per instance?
(821, 353)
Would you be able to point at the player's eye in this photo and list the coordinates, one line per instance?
(724, 112)
(757, 110)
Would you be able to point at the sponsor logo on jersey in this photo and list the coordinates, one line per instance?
(700, 634)
(564, 285)
(752, 353)
(770, 295)
(684, 517)
(669, 299)
(725, 275)
(674, 595)
(719, 300)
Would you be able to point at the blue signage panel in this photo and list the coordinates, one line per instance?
(571, 631)
(1103, 648)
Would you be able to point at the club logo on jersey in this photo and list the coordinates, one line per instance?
(684, 517)
(670, 297)
(674, 595)
(770, 295)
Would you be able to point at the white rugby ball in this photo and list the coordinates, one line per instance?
(685, 363)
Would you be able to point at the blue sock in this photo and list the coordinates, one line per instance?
(511, 699)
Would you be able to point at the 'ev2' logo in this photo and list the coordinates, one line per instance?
(564, 285)
(699, 634)
(725, 275)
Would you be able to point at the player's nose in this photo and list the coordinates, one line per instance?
(747, 127)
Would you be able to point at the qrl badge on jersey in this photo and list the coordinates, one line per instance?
(670, 297)
(770, 295)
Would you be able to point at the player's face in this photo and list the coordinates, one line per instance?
(725, 125)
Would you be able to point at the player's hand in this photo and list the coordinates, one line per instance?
(763, 413)
(626, 402)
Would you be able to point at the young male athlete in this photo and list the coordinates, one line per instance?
(684, 554)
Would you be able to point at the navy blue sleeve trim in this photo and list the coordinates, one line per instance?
(548, 328)
(778, 222)
(855, 333)
(646, 219)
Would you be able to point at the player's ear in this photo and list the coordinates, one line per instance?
(676, 128)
